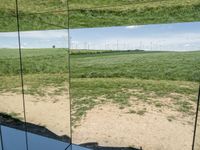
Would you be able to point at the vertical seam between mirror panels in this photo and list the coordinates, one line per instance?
(69, 72)
(21, 71)
(196, 120)
(1, 138)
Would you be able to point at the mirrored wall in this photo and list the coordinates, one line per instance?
(0, 139)
(196, 141)
(135, 86)
(99, 74)
(45, 72)
(35, 105)
(11, 99)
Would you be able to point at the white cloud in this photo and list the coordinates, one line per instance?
(132, 27)
(187, 45)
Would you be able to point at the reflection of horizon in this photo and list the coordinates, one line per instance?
(175, 36)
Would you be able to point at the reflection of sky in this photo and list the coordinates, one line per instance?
(34, 39)
(180, 36)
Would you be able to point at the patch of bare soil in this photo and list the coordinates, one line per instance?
(110, 126)
(141, 124)
(52, 112)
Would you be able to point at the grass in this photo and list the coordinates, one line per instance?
(99, 77)
(141, 112)
(171, 118)
(96, 13)
(34, 61)
(41, 68)
(87, 93)
(157, 66)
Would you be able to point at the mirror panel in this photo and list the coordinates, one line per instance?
(45, 70)
(11, 100)
(1, 139)
(47, 15)
(13, 138)
(197, 137)
(8, 16)
(135, 86)
(98, 13)
(36, 142)
(128, 80)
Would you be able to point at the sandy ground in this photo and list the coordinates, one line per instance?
(50, 112)
(106, 124)
(111, 126)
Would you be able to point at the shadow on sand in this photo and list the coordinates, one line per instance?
(9, 121)
(95, 146)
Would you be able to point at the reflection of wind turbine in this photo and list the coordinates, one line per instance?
(70, 40)
(85, 45)
(140, 45)
(117, 45)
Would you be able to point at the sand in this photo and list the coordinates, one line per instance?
(110, 126)
(106, 124)
(50, 112)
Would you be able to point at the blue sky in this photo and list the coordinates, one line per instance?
(178, 37)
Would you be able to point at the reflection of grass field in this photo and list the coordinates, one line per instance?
(118, 77)
(156, 66)
(88, 13)
(89, 92)
(34, 61)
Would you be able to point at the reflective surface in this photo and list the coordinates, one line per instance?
(1, 139)
(7, 18)
(134, 80)
(106, 13)
(13, 140)
(11, 102)
(96, 13)
(45, 73)
(45, 15)
(16, 137)
(45, 70)
(135, 85)
(197, 137)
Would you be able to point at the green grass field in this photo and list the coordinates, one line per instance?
(52, 14)
(99, 77)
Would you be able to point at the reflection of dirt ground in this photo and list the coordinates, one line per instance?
(107, 124)
(197, 140)
(111, 126)
(50, 112)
